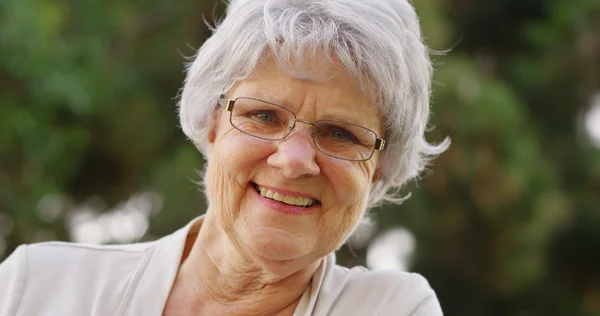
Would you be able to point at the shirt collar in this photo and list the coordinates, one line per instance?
(156, 279)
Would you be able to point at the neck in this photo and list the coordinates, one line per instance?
(218, 277)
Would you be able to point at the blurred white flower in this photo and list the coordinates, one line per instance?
(50, 207)
(391, 250)
(592, 121)
(127, 222)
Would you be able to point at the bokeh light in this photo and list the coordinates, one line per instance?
(592, 121)
(126, 223)
(391, 250)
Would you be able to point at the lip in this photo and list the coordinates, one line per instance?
(282, 207)
(290, 193)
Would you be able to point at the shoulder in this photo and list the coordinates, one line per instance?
(53, 251)
(392, 282)
(386, 292)
(12, 280)
(47, 260)
(57, 271)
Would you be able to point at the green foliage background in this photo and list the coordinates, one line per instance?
(507, 222)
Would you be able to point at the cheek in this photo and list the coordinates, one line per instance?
(238, 154)
(221, 192)
(234, 159)
(338, 225)
(348, 194)
(350, 182)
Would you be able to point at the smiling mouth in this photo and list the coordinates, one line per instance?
(286, 199)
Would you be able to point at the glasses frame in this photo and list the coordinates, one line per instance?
(379, 142)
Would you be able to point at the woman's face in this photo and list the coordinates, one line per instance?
(273, 232)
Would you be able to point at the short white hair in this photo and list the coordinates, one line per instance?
(378, 43)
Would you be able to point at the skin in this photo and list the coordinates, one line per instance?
(249, 259)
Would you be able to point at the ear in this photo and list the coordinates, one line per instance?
(212, 131)
(376, 176)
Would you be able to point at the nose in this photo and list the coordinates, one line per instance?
(295, 155)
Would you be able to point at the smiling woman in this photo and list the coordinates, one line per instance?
(308, 113)
(292, 166)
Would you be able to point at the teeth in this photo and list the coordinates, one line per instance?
(268, 194)
(287, 199)
(278, 197)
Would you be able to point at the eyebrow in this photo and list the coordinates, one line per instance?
(256, 93)
(262, 95)
(348, 117)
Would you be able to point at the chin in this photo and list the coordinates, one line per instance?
(275, 244)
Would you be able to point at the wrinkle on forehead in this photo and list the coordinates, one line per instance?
(319, 65)
(260, 85)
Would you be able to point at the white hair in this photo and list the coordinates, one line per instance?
(378, 43)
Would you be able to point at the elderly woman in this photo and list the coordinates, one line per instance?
(308, 112)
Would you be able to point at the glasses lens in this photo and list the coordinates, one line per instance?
(261, 119)
(344, 140)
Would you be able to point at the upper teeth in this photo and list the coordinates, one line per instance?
(287, 199)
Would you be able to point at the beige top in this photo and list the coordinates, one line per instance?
(57, 278)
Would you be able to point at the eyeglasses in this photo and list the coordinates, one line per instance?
(269, 121)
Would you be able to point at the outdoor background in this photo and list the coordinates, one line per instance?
(506, 222)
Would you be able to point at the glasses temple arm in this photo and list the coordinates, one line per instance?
(379, 143)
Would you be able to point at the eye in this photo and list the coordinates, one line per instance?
(340, 134)
(264, 116)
